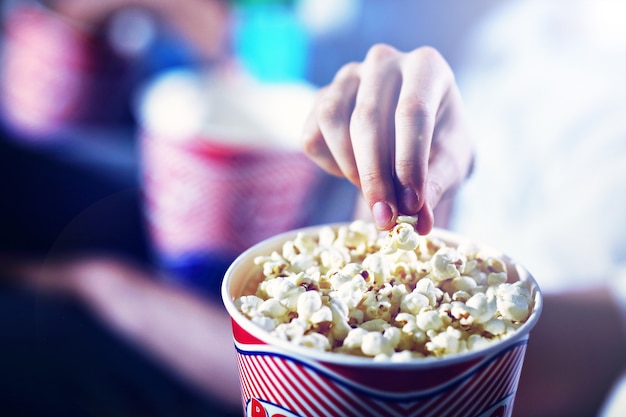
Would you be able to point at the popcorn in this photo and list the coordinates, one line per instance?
(514, 301)
(272, 308)
(448, 341)
(314, 340)
(483, 307)
(446, 264)
(390, 296)
(264, 322)
(414, 302)
(340, 319)
(402, 236)
(428, 320)
(376, 343)
(248, 304)
(351, 292)
(283, 290)
(292, 330)
(426, 287)
(310, 308)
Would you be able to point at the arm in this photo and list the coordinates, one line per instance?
(189, 335)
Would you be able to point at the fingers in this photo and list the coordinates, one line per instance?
(350, 131)
(392, 125)
(450, 159)
(327, 137)
(425, 80)
(372, 131)
(314, 144)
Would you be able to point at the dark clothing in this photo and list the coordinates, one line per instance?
(57, 360)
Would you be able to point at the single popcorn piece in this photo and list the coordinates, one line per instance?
(514, 301)
(483, 307)
(427, 287)
(354, 339)
(292, 330)
(311, 309)
(429, 320)
(476, 341)
(249, 304)
(446, 342)
(414, 302)
(374, 343)
(281, 289)
(272, 308)
(351, 292)
(495, 326)
(463, 283)
(314, 340)
(446, 264)
(389, 296)
(263, 322)
(334, 257)
(402, 236)
(377, 266)
(273, 265)
(340, 319)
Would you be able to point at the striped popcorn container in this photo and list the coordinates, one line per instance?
(207, 201)
(214, 182)
(281, 379)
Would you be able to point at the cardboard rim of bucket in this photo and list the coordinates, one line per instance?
(244, 264)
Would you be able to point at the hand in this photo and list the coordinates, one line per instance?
(393, 125)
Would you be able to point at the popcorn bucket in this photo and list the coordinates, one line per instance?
(219, 174)
(279, 378)
(207, 201)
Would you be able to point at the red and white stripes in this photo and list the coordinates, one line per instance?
(309, 388)
(204, 196)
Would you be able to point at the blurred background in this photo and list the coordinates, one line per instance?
(107, 107)
(65, 167)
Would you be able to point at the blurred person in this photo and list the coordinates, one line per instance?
(544, 85)
(335, 143)
(82, 196)
(69, 64)
(546, 108)
(66, 87)
(109, 339)
(140, 91)
(190, 336)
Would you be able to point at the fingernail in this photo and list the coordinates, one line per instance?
(426, 220)
(382, 214)
(410, 202)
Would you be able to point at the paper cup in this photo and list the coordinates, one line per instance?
(207, 201)
(282, 379)
(222, 168)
